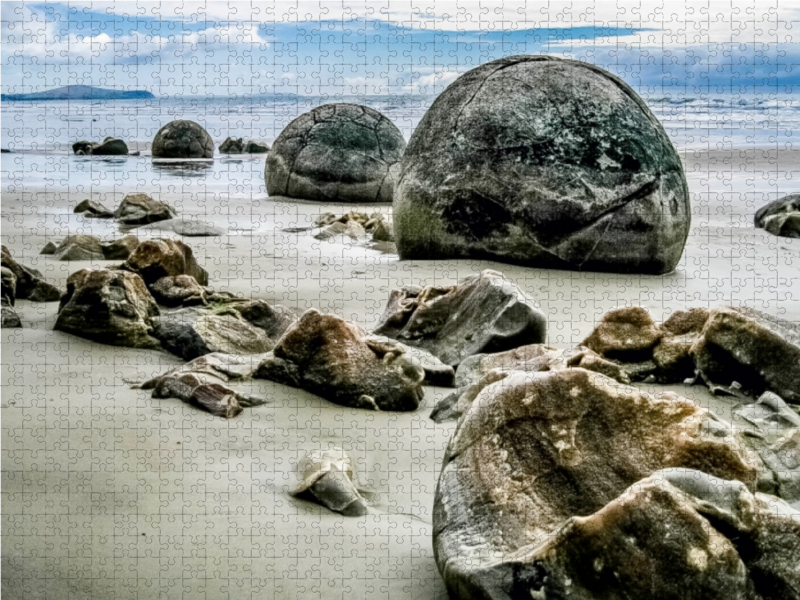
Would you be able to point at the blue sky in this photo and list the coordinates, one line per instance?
(392, 47)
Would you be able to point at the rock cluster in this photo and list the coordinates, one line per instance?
(354, 225)
(238, 146)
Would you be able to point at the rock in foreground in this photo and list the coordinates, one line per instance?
(182, 139)
(336, 152)
(483, 313)
(29, 283)
(544, 162)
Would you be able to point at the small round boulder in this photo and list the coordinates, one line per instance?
(182, 139)
(544, 162)
(336, 152)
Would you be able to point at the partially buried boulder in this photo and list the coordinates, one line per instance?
(154, 259)
(544, 162)
(483, 313)
(336, 152)
(550, 487)
(30, 285)
(110, 147)
(252, 147)
(93, 210)
(108, 306)
(182, 139)
(140, 209)
(231, 146)
(335, 359)
(328, 477)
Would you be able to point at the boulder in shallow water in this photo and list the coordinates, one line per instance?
(154, 259)
(252, 147)
(231, 146)
(483, 313)
(93, 210)
(83, 147)
(544, 162)
(110, 147)
(30, 285)
(49, 249)
(335, 359)
(328, 477)
(336, 152)
(108, 306)
(140, 209)
(182, 139)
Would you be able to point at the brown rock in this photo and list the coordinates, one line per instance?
(30, 285)
(140, 209)
(627, 334)
(178, 290)
(120, 249)
(154, 259)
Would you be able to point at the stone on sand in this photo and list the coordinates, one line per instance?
(30, 285)
(141, 209)
(328, 477)
(93, 210)
(154, 259)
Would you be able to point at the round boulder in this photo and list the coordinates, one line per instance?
(543, 162)
(336, 152)
(182, 139)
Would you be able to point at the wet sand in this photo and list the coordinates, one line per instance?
(109, 493)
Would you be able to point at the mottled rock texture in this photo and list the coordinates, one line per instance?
(182, 139)
(154, 259)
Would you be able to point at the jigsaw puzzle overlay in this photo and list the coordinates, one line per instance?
(400, 300)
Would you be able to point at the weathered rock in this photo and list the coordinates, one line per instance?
(331, 231)
(231, 146)
(186, 226)
(536, 454)
(781, 207)
(8, 286)
(193, 332)
(110, 147)
(29, 282)
(154, 259)
(760, 352)
(120, 249)
(530, 358)
(483, 313)
(93, 210)
(544, 162)
(252, 147)
(336, 152)
(140, 209)
(49, 248)
(627, 334)
(436, 372)
(83, 147)
(178, 290)
(784, 225)
(9, 319)
(383, 232)
(79, 247)
(335, 359)
(112, 307)
(274, 320)
(182, 139)
(328, 477)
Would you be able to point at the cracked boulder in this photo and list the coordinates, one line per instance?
(29, 284)
(108, 306)
(483, 313)
(544, 162)
(337, 360)
(336, 152)
(141, 209)
(182, 139)
(154, 259)
(538, 498)
(328, 477)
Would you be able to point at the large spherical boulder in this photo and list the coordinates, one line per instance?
(543, 162)
(182, 139)
(341, 152)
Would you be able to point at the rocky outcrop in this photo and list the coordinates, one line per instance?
(336, 360)
(566, 484)
(182, 139)
(328, 477)
(108, 306)
(140, 209)
(336, 152)
(29, 283)
(154, 259)
(543, 162)
(483, 313)
(93, 210)
(49, 249)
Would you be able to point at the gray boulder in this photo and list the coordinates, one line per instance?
(178, 290)
(30, 285)
(483, 313)
(182, 139)
(120, 249)
(779, 209)
(543, 162)
(83, 147)
(8, 284)
(140, 209)
(110, 147)
(231, 146)
(336, 152)
(186, 226)
(784, 224)
(328, 477)
(79, 247)
(252, 147)
(93, 210)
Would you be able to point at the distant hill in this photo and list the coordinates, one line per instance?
(80, 92)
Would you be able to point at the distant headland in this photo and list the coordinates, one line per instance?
(80, 92)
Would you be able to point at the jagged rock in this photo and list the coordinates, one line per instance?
(8, 285)
(140, 209)
(29, 282)
(192, 332)
(110, 147)
(93, 210)
(532, 500)
(328, 477)
(120, 249)
(436, 372)
(336, 152)
(331, 231)
(231, 146)
(49, 248)
(325, 219)
(383, 232)
(182, 139)
(483, 313)
(252, 147)
(515, 162)
(79, 247)
(336, 360)
(178, 290)
(531, 358)
(274, 320)
(759, 352)
(154, 259)
(112, 307)
(672, 353)
(9, 319)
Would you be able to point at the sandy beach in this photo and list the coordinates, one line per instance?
(108, 492)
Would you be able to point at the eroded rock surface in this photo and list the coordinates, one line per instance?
(328, 477)
(79, 247)
(93, 210)
(781, 217)
(29, 283)
(545, 162)
(154, 259)
(178, 290)
(483, 313)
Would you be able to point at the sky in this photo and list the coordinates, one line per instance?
(674, 48)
